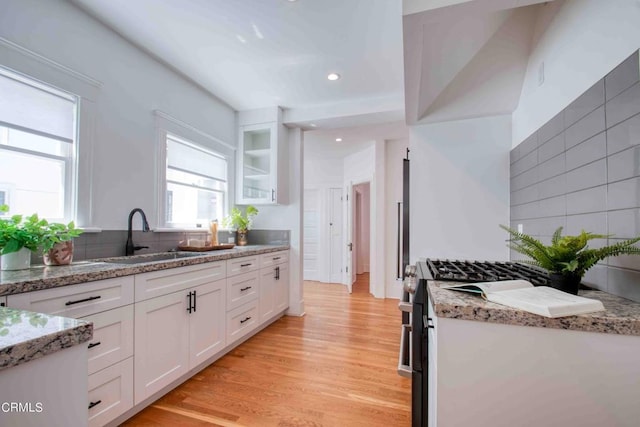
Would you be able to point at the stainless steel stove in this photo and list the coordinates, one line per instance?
(484, 271)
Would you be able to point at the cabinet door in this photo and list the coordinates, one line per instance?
(258, 164)
(161, 342)
(110, 392)
(207, 322)
(282, 288)
(267, 293)
(112, 337)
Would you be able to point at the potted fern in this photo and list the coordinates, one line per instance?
(241, 222)
(568, 258)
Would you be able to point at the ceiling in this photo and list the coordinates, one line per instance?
(410, 61)
(260, 53)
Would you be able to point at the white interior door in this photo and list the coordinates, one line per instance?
(335, 235)
(311, 235)
(348, 237)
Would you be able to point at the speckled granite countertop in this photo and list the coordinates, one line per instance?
(621, 316)
(42, 277)
(26, 336)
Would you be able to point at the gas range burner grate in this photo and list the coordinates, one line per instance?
(485, 271)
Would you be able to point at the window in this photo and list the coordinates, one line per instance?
(196, 184)
(37, 147)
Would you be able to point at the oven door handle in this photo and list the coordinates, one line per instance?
(404, 370)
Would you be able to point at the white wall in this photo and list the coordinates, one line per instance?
(579, 41)
(395, 152)
(460, 189)
(133, 85)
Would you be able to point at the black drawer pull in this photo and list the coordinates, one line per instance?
(92, 404)
(245, 265)
(94, 344)
(82, 300)
(245, 289)
(245, 320)
(276, 258)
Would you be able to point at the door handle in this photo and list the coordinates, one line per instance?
(350, 245)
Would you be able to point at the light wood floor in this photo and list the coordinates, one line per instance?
(336, 366)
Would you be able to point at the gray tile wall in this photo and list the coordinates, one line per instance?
(112, 242)
(581, 170)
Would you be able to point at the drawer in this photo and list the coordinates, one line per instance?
(78, 300)
(110, 392)
(112, 337)
(242, 288)
(242, 320)
(246, 264)
(274, 258)
(163, 282)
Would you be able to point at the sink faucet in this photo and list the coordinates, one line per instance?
(131, 248)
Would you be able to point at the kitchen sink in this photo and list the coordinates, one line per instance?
(142, 259)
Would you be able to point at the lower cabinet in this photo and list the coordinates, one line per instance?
(110, 392)
(274, 287)
(176, 332)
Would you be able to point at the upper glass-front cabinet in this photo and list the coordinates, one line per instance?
(258, 164)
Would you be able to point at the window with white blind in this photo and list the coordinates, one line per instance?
(196, 184)
(37, 147)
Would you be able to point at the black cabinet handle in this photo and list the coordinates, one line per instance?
(96, 403)
(245, 289)
(194, 301)
(245, 265)
(276, 258)
(247, 319)
(94, 344)
(277, 273)
(189, 307)
(273, 195)
(82, 300)
(430, 323)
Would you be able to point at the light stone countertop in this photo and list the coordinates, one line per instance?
(25, 335)
(621, 316)
(43, 277)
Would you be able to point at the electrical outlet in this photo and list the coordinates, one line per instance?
(520, 228)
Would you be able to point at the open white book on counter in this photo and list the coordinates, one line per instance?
(521, 294)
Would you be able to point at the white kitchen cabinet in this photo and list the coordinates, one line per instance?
(110, 392)
(109, 305)
(112, 337)
(262, 165)
(177, 331)
(274, 284)
(161, 343)
(207, 323)
(242, 320)
(242, 289)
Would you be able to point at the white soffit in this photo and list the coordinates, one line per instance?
(467, 60)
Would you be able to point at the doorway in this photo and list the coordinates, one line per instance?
(361, 238)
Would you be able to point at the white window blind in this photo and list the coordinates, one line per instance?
(31, 106)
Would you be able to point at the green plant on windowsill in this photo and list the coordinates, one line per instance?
(17, 232)
(238, 220)
(568, 257)
(32, 232)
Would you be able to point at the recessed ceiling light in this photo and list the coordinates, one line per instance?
(338, 139)
(333, 76)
